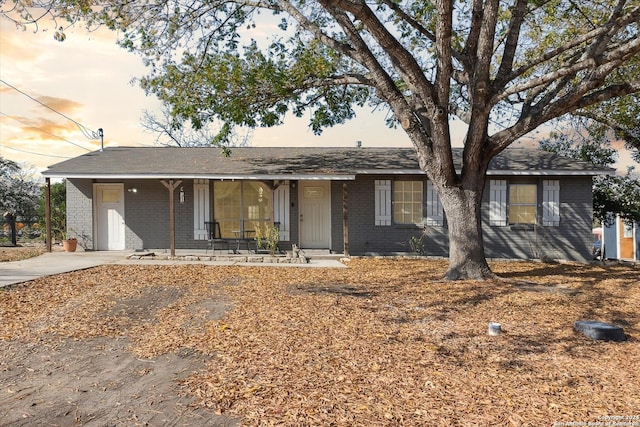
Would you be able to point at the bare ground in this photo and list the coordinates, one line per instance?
(379, 343)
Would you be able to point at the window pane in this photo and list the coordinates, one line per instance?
(627, 229)
(522, 215)
(258, 206)
(226, 206)
(313, 192)
(523, 194)
(522, 203)
(407, 202)
(110, 196)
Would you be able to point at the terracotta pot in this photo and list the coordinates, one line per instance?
(70, 245)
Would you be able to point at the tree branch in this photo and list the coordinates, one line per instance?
(419, 27)
(317, 31)
(624, 133)
(620, 54)
(571, 44)
(471, 44)
(403, 61)
(500, 140)
(511, 43)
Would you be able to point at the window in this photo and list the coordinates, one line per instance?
(241, 205)
(627, 229)
(404, 205)
(407, 202)
(522, 203)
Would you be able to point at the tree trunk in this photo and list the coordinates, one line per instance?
(466, 246)
(11, 217)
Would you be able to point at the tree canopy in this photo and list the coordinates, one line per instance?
(19, 193)
(612, 194)
(502, 67)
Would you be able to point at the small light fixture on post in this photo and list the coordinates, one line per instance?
(181, 195)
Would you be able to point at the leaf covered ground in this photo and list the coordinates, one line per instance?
(382, 342)
(17, 253)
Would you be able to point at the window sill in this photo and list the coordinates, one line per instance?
(524, 227)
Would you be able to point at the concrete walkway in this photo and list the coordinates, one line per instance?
(52, 263)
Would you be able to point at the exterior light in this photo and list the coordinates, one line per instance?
(132, 190)
(181, 195)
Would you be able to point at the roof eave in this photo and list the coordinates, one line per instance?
(547, 172)
(254, 177)
(558, 172)
(325, 177)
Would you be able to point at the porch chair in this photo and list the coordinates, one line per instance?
(214, 236)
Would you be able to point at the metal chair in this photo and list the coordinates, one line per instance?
(214, 236)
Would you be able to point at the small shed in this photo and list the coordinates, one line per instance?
(621, 239)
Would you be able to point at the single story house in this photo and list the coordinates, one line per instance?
(621, 239)
(357, 201)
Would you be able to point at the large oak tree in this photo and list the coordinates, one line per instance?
(516, 64)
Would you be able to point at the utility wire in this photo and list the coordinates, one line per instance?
(44, 131)
(88, 133)
(34, 153)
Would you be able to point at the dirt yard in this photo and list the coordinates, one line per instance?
(379, 343)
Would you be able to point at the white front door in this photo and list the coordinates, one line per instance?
(315, 214)
(109, 217)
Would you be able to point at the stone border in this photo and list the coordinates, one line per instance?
(268, 259)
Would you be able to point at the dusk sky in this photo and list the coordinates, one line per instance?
(87, 78)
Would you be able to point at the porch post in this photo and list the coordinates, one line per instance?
(345, 219)
(171, 186)
(47, 212)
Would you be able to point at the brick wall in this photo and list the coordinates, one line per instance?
(80, 211)
(147, 216)
(147, 221)
(570, 240)
(365, 238)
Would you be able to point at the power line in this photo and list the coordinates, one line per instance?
(34, 153)
(88, 133)
(44, 131)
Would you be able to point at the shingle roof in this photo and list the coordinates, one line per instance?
(292, 163)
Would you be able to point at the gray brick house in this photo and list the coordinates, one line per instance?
(366, 200)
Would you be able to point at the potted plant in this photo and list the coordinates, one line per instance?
(69, 243)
